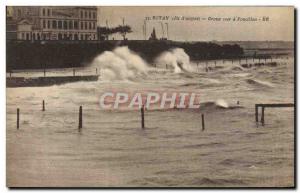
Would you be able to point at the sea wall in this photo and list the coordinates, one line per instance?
(62, 54)
(45, 81)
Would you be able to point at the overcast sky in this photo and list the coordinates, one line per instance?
(279, 27)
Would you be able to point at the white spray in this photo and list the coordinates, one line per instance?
(120, 64)
(177, 58)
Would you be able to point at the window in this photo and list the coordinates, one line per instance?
(49, 24)
(90, 14)
(90, 25)
(81, 14)
(44, 24)
(19, 13)
(59, 24)
(75, 25)
(81, 37)
(93, 25)
(85, 14)
(81, 25)
(54, 24)
(85, 25)
(48, 12)
(65, 25)
(70, 24)
(44, 12)
(23, 36)
(94, 15)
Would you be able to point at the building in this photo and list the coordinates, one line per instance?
(51, 23)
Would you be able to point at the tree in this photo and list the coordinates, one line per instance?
(123, 30)
(105, 32)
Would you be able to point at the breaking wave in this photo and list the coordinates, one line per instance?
(260, 83)
(176, 58)
(120, 64)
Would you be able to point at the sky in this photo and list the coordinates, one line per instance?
(279, 27)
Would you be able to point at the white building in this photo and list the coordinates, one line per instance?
(53, 22)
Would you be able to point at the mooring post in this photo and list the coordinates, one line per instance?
(73, 72)
(203, 124)
(80, 119)
(44, 72)
(263, 115)
(256, 113)
(9, 73)
(142, 117)
(43, 105)
(18, 118)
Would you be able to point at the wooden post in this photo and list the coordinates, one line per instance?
(43, 105)
(73, 72)
(9, 73)
(263, 115)
(44, 72)
(203, 124)
(18, 118)
(256, 113)
(142, 115)
(80, 119)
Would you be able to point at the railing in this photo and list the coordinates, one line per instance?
(263, 106)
